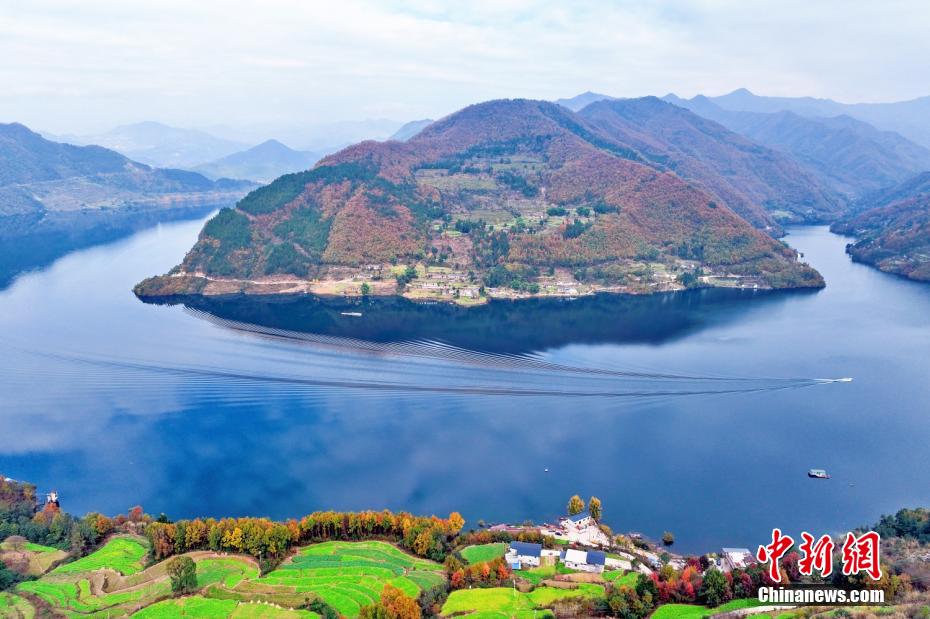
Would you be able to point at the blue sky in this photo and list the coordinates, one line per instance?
(82, 66)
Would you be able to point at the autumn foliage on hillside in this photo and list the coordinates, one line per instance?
(367, 204)
(269, 540)
(753, 180)
(895, 235)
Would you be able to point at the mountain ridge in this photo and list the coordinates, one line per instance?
(760, 184)
(850, 155)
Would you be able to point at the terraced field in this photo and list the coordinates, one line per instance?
(349, 575)
(197, 606)
(126, 555)
(693, 611)
(111, 583)
(505, 602)
(29, 558)
(14, 607)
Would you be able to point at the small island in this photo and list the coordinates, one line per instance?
(502, 200)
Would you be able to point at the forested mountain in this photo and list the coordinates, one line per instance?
(262, 163)
(507, 189)
(894, 234)
(38, 175)
(849, 155)
(765, 186)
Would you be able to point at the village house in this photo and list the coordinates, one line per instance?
(584, 561)
(522, 555)
(735, 558)
(579, 529)
(578, 521)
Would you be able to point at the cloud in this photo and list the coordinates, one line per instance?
(102, 62)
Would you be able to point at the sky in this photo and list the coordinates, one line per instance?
(80, 66)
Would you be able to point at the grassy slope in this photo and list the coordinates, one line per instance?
(484, 552)
(505, 601)
(350, 575)
(692, 611)
(126, 555)
(207, 608)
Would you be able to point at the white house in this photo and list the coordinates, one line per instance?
(578, 521)
(735, 558)
(584, 561)
(522, 555)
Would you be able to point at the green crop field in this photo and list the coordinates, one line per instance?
(349, 575)
(692, 611)
(484, 552)
(504, 601)
(345, 575)
(206, 608)
(126, 555)
(227, 572)
(619, 577)
(15, 607)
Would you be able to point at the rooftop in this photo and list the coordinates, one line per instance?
(579, 516)
(596, 557)
(525, 549)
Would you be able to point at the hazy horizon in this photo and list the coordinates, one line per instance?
(84, 69)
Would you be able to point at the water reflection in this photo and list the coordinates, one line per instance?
(499, 326)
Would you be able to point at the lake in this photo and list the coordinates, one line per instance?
(697, 412)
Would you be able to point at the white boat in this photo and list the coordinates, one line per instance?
(356, 314)
(818, 474)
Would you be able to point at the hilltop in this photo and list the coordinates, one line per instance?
(504, 198)
(894, 234)
(39, 176)
(262, 163)
(764, 186)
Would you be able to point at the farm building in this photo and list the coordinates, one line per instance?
(584, 561)
(578, 521)
(735, 558)
(522, 554)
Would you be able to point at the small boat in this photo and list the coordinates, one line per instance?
(356, 314)
(818, 474)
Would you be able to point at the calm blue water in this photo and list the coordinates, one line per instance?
(693, 413)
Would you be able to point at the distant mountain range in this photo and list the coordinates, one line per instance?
(262, 163)
(763, 185)
(411, 129)
(160, 145)
(518, 195)
(909, 118)
(844, 152)
(38, 175)
(849, 155)
(894, 233)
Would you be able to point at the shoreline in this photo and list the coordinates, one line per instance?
(178, 286)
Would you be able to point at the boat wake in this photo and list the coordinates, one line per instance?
(287, 361)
